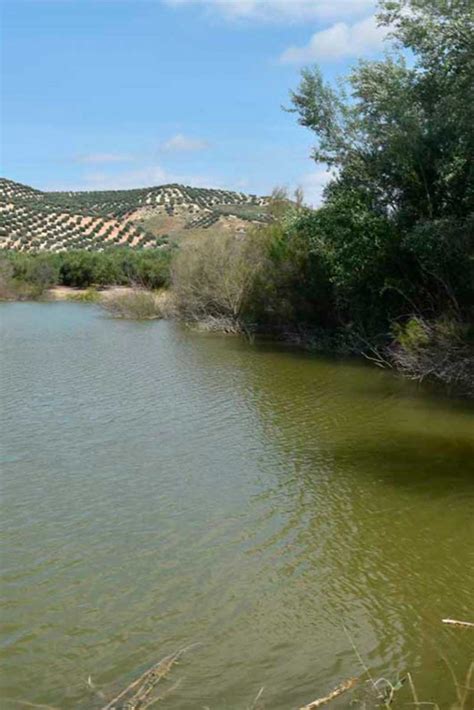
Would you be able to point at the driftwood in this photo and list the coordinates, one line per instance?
(139, 694)
(343, 688)
(460, 624)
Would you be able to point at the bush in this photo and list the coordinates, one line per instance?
(359, 253)
(215, 276)
(85, 268)
(442, 349)
(135, 305)
(78, 269)
(42, 272)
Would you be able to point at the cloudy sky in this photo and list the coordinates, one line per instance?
(106, 94)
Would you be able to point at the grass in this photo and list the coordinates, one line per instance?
(91, 295)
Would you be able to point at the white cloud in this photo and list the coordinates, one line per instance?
(150, 176)
(182, 143)
(339, 41)
(102, 158)
(282, 10)
(313, 184)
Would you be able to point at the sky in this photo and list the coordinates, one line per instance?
(112, 94)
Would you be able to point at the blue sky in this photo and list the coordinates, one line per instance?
(114, 94)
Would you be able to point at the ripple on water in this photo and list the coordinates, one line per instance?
(161, 487)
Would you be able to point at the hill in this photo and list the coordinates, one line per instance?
(32, 220)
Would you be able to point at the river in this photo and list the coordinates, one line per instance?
(162, 488)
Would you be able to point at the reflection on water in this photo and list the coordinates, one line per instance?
(161, 487)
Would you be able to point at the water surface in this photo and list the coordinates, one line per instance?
(161, 487)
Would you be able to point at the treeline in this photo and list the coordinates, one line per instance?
(29, 275)
(386, 265)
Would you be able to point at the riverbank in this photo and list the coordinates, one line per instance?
(420, 351)
(69, 293)
(120, 301)
(268, 283)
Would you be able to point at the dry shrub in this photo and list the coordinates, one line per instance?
(213, 278)
(438, 350)
(136, 304)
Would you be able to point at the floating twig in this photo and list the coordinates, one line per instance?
(361, 660)
(163, 695)
(257, 698)
(145, 684)
(94, 689)
(460, 624)
(413, 689)
(343, 688)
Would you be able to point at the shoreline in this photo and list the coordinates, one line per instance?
(70, 293)
(137, 303)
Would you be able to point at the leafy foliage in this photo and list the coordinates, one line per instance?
(397, 228)
(390, 254)
(83, 269)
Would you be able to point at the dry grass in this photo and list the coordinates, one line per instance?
(136, 304)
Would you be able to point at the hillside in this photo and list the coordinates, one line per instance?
(31, 220)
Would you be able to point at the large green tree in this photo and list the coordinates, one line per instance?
(402, 129)
(397, 227)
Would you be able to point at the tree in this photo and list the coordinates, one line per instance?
(403, 132)
(397, 227)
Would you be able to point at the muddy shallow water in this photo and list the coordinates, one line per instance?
(162, 487)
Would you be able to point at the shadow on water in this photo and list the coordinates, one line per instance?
(164, 487)
(421, 460)
(402, 432)
(376, 476)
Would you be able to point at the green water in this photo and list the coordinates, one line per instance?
(161, 488)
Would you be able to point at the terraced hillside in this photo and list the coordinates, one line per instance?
(31, 220)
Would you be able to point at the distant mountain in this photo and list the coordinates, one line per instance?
(31, 220)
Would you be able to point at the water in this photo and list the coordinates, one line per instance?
(161, 488)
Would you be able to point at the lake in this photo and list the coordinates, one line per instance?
(162, 487)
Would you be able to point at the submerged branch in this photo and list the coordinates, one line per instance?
(146, 683)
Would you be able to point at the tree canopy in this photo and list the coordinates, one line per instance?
(400, 129)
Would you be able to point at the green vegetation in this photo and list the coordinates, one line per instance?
(32, 221)
(214, 278)
(386, 266)
(91, 295)
(28, 275)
